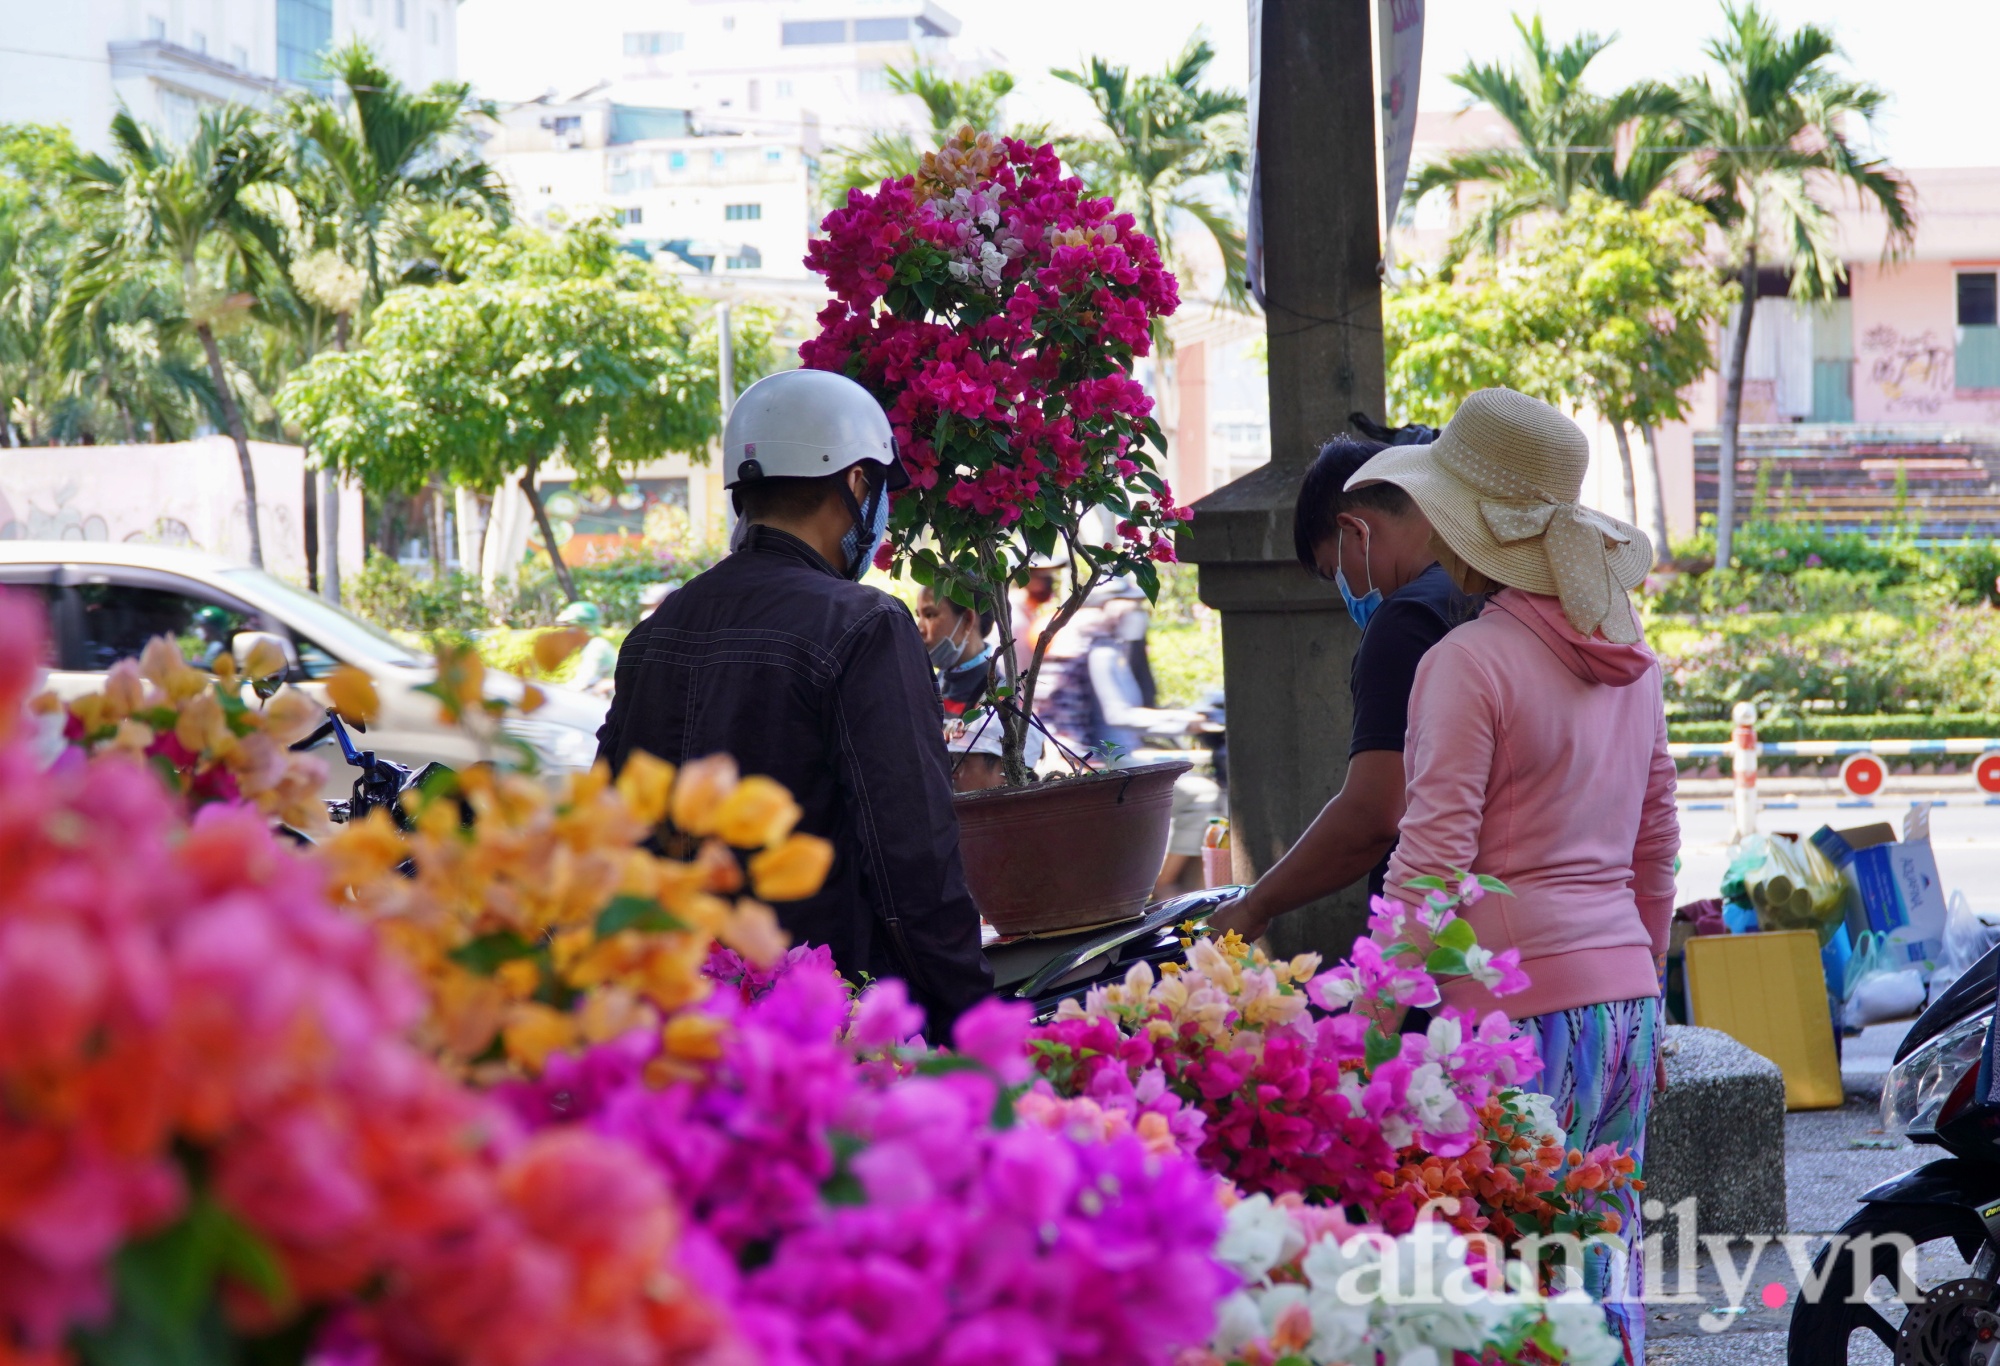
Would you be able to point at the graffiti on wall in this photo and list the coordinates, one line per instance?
(1913, 372)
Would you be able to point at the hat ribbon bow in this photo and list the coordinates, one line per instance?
(1512, 521)
(1578, 541)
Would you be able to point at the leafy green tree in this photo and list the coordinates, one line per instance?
(1444, 338)
(539, 347)
(1608, 307)
(1774, 124)
(1163, 135)
(949, 105)
(1566, 131)
(1621, 304)
(156, 205)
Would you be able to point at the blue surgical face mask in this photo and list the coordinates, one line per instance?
(1363, 607)
(875, 514)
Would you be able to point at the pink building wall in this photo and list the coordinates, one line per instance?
(1905, 330)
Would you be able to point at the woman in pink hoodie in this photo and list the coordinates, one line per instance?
(1537, 753)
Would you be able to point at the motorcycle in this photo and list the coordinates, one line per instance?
(1941, 1092)
(379, 784)
(1048, 971)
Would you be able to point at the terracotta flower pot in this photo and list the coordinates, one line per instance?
(1070, 853)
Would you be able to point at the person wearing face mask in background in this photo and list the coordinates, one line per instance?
(779, 657)
(1377, 547)
(957, 640)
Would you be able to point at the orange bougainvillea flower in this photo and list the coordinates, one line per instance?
(646, 784)
(793, 870)
(351, 692)
(759, 813)
(699, 792)
(553, 647)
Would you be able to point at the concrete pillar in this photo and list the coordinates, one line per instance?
(1286, 642)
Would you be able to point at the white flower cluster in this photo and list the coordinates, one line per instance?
(1407, 1301)
(984, 257)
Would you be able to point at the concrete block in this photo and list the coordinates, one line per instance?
(1717, 1135)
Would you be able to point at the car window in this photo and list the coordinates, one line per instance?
(313, 661)
(344, 635)
(119, 618)
(36, 584)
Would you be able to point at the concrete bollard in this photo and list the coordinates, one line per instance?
(1743, 764)
(1717, 1135)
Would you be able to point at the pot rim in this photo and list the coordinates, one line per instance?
(1075, 780)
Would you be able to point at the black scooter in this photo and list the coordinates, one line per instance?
(1941, 1090)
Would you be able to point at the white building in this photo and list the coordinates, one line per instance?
(706, 136)
(75, 62)
(770, 63)
(727, 203)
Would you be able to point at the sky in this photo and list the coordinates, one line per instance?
(1939, 59)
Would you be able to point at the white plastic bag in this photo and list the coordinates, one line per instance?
(1967, 937)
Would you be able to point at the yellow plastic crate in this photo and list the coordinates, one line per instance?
(1767, 992)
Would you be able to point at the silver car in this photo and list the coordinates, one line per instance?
(105, 600)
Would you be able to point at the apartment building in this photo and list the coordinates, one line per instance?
(76, 62)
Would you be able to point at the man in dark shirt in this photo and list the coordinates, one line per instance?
(779, 658)
(1377, 548)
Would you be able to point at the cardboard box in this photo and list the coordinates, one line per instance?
(1893, 886)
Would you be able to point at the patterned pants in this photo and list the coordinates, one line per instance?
(1598, 1066)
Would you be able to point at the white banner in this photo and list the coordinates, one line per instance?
(1400, 40)
(1400, 31)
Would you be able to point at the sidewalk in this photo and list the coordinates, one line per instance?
(1831, 1157)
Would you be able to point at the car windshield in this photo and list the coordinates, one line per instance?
(330, 627)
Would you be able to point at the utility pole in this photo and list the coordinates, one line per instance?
(1286, 640)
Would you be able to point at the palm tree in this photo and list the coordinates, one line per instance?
(182, 207)
(367, 172)
(1162, 136)
(1567, 134)
(949, 105)
(372, 166)
(1773, 126)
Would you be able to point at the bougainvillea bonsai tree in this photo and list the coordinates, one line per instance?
(996, 311)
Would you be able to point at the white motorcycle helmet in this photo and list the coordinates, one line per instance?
(805, 424)
(801, 424)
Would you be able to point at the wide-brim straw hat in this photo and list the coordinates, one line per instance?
(1500, 486)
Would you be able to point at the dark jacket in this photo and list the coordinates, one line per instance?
(824, 685)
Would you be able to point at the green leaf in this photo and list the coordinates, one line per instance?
(1494, 884)
(166, 1310)
(1457, 935)
(485, 954)
(1426, 883)
(1445, 963)
(636, 913)
(1381, 1047)
(944, 1064)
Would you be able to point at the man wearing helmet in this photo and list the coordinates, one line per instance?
(779, 657)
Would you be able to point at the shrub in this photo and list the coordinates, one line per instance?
(396, 599)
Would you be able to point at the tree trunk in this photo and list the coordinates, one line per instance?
(233, 416)
(548, 533)
(434, 507)
(1732, 412)
(1624, 440)
(310, 477)
(329, 536)
(1651, 437)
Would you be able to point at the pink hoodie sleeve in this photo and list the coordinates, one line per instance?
(1659, 840)
(1447, 757)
